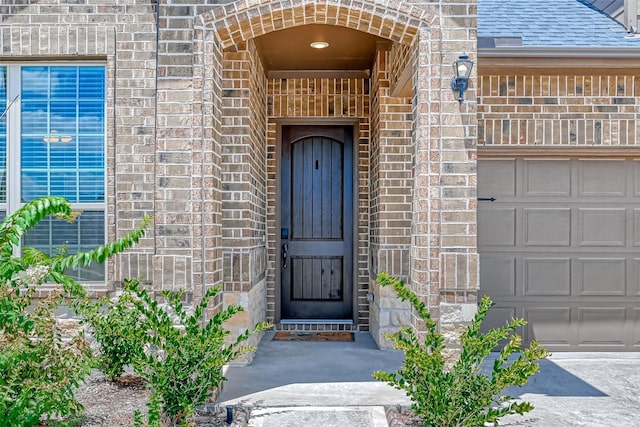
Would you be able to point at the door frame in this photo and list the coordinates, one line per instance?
(353, 122)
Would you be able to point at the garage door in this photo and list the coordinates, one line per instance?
(560, 246)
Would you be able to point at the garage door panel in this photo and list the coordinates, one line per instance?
(636, 178)
(498, 316)
(636, 227)
(498, 178)
(500, 272)
(591, 174)
(547, 177)
(549, 325)
(602, 227)
(497, 227)
(636, 326)
(602, 276)
(547, 277)
(601, 326)
(634, 279)
(564, 250)
(547, 227)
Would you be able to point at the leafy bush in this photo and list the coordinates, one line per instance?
(39, 370)
(183, 362)
(113, 325)
(463, 395)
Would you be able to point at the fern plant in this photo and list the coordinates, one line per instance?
(462, 395)
(39, 371)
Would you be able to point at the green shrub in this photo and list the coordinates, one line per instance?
(39, 370)
(113, 325)
(183, 362)
(462, 395)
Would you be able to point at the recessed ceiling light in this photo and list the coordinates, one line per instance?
(319, 45)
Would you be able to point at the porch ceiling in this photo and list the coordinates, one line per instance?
(290, 50)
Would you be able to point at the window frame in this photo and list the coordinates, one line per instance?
(13, 185)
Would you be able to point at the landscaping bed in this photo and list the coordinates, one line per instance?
(109, 403)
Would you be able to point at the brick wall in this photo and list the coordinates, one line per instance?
(577, 109)
(191, 134)
(208, 119)
(244, 184)
(243, 166)
(122, 34)
(444, 205)
(390, 201)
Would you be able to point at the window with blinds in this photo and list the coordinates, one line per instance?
(58, 137)
(62, 133)
(53, 235)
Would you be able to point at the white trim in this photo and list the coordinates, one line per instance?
(84, 63)
(13, 141)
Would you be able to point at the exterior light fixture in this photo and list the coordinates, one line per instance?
(319, 45)
(461, 71)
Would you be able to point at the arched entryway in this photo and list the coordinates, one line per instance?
(260, 79)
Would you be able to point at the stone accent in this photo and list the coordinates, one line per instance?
(253, 303)
(388, 314)
(68, 328)
(453, 322)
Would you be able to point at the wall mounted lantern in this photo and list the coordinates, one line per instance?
(461, 70)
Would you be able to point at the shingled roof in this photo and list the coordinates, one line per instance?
(548, 23)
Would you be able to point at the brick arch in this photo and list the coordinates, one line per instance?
(237, 22)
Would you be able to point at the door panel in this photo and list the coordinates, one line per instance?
(316, 239)
(559, 246)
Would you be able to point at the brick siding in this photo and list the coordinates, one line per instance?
(580, 109)
(192, 139)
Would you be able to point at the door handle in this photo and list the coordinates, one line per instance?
(285, 252)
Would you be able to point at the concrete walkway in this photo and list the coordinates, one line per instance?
(329, 384)
(324, 384)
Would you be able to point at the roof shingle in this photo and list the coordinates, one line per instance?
(551, 23)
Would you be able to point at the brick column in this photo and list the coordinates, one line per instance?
(459, 261)
(244, 187)
(207, 81)
(390, 225)
(444, 258)
(135, 99)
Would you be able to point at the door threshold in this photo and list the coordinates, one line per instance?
(320, 325)
(317, 321)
